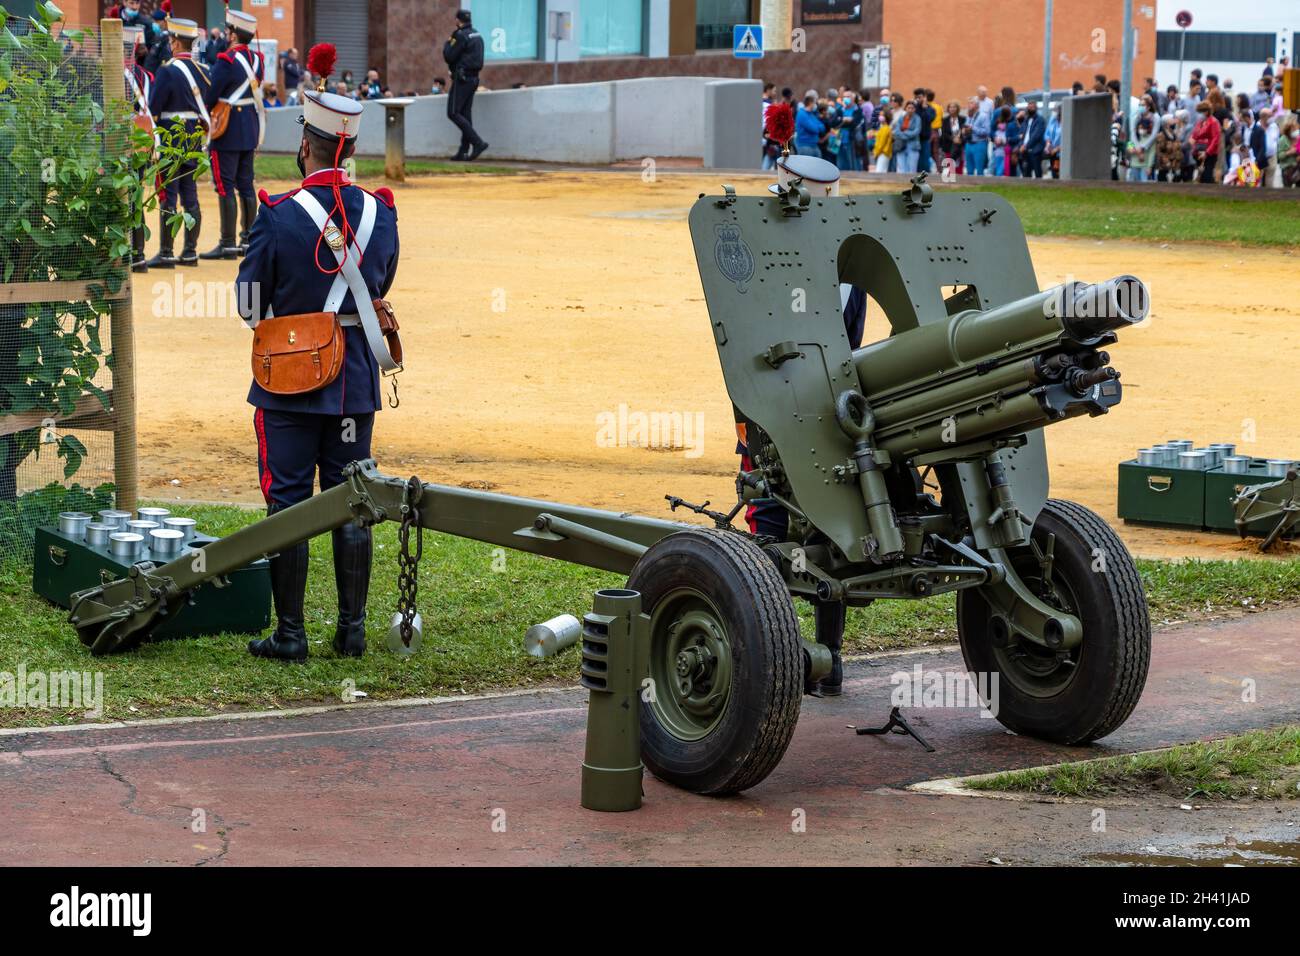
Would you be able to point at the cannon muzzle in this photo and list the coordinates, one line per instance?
(999, 371)
(1088, 311)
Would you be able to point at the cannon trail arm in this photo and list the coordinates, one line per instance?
(1276, 500)
(117, 615)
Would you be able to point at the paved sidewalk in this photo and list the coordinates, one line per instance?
(435, 784)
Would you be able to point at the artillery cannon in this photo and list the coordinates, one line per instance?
(975, 362)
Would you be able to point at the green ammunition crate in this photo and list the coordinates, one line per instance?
(1220, 490)
(1161, 495)
(63, 566)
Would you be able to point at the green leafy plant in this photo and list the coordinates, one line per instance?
(76, 176)
(20, 518)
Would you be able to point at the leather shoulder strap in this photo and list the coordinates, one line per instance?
(194, 88)
(350, 272)
(250, 80)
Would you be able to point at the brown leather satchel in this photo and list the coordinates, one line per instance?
(293, 354)
(218, 120)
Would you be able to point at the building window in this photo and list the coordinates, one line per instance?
(714, 20)
(510, 28)
(611, 28)
(1216, 47)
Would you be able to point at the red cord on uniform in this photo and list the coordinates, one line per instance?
(341, 209)
(320, 60)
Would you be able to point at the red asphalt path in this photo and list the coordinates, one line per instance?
(495, 780)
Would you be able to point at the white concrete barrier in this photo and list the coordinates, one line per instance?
(733, 119)
(587, 123)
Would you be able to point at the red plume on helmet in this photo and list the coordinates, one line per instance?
(166, 6)
(320, 60)
(780, 123)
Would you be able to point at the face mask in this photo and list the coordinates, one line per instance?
(302, 163)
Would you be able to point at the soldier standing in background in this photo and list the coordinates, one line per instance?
(236, 87)
(463, 52)
(177, 100)
(139, 82)
(159, 51)
(309, 250)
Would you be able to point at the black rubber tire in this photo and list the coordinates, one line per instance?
(766, 687)
(1111, 666)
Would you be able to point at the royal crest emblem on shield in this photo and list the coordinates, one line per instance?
(732, 255)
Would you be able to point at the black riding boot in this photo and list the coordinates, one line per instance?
(227, 246)
(165, 258)
(248, 210)
(288, 642)
(190, 252)
(138, 261)
(352, 554)
(830, 632)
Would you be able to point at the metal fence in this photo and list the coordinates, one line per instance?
(67, 418)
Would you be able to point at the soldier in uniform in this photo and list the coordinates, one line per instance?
(139, 82)
(237, 80)
(303, 259)
(177, 100)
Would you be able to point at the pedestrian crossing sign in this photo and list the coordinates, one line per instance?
(747, 41)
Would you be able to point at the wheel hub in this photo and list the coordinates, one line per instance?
(1037, 670)
(691, 664)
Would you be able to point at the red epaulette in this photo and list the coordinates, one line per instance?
(268, 201)
(383, 194)
(223, 55)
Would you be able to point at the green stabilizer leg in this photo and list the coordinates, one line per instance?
(615, 645)
(118, 615)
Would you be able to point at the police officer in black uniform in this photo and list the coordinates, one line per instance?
(463, 52)
(297, 264)
(177, 101)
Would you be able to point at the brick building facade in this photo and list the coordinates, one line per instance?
(951, 46)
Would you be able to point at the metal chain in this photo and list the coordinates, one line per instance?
(408, 583)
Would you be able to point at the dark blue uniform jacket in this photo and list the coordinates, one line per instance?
(227, 77)
(278, 273)
(171, 90)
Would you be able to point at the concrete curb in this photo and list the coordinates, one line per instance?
(955, 786)
(931, 650)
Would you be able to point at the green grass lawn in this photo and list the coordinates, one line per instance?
(1261, 764)
(1059, 210)
(474, 620)
(284, 166)
(1099, 213)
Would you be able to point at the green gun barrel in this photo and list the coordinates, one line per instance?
(1076, 312)
(1003, 370)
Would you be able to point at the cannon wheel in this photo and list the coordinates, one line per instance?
(725, 660)
(1088, 692)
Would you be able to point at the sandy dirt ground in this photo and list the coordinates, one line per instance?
(534, 307)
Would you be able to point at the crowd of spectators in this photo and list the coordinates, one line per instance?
(894, 133)
(1208, 133)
